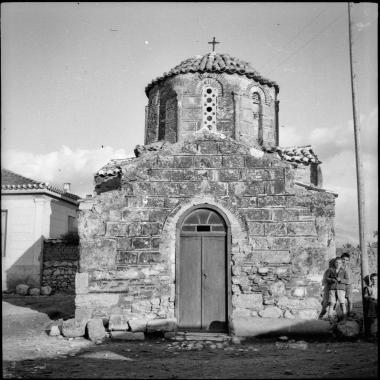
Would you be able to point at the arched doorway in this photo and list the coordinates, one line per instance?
(201, 271)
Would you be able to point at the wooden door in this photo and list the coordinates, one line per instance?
(202, 295)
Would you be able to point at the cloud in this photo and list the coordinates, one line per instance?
(331, 140)
(335, 148)
(339, 173)
(66, 165)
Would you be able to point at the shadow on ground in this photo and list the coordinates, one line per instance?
(56, 306)
(159, 359)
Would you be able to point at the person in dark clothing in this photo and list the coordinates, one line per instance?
(370, 298)
(326, 290)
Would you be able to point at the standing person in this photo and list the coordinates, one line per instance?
(346, 265)
(337, 279)
(326, 289)
(370, 297)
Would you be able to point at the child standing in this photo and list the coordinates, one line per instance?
(370, 297)
(337, 279)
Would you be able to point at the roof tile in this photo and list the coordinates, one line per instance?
(13, 181)
(213, 62)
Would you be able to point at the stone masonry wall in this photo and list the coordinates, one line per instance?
(60, 264)
(282, 235)
(235, 108)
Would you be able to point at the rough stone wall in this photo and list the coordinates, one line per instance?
(60, 265)
(282, 234)
(235, 108)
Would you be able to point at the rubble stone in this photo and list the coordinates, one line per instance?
(271, 312)
(137, 325)
(348, 328)
(46, 290)
(118, 322)
(73, 328)
(22, 289)
(54, 331)
(34, 291)
(156, 325)
(95, 329)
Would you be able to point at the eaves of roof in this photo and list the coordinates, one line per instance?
(214, 63)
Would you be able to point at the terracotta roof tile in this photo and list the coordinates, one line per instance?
(303, 154)
(216, 63)
(13, 181)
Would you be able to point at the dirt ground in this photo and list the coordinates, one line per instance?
(28, 352)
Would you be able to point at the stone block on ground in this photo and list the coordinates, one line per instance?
(348, 329)
(22, 289)
(73, 328)
(170, 335)
(300, 345)
(95, 329)
(236, 340)
(118, 322)
(206, 336)
(163, 325)
(54, 331)
(137, 325)
(34, 291)
(127, 335)
(46, 290)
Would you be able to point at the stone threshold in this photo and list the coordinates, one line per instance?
(198, 336)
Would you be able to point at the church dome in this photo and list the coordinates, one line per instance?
(214, 63)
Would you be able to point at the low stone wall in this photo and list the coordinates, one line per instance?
(60, 264)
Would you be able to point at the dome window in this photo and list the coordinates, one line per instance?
(257, 116)
(210, 95)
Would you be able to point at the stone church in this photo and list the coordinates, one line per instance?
(212, 226)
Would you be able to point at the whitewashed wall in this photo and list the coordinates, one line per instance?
(30, 218)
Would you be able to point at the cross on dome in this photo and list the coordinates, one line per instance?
(213, 43)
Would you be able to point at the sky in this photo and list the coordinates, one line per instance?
(73, 77)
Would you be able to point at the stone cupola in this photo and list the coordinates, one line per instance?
(214, 91)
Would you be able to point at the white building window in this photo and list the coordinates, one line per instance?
(4, 220)
(209, 101)
(72, 224)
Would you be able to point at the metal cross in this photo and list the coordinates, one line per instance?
(213, 43)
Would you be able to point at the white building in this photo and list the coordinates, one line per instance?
(30, 212)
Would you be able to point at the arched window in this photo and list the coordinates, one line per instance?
(257, 116)
(209, 102)
(203, 220)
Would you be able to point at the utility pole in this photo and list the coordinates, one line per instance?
(359, 167)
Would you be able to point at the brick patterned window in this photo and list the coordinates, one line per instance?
(209, 101)
(257, 115)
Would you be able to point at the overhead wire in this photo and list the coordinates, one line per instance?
(308, 24)
(307, 43)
